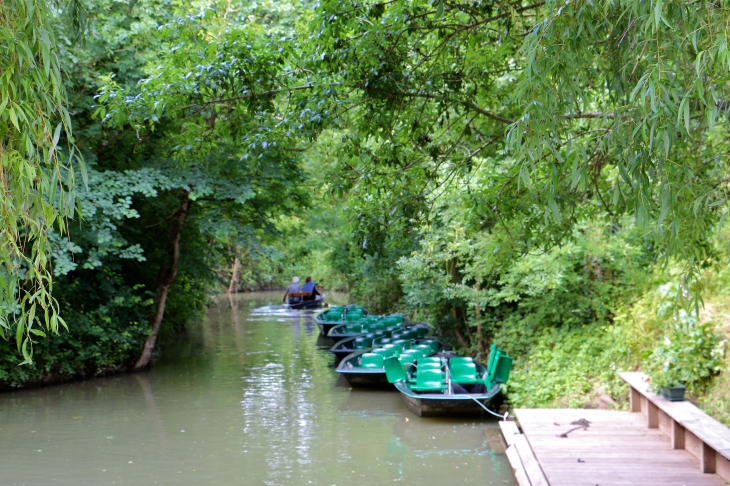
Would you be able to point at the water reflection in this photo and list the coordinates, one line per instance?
(246, 397)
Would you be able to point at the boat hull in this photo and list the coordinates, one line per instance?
(340, 354)
(306, 304)
(367, 379)
(324, 327)
(438, 405)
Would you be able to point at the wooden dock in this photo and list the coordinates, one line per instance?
(574, 447)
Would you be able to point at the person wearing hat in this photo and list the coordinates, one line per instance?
(292, 289)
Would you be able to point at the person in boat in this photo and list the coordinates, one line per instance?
(293, 288)
(310, 287)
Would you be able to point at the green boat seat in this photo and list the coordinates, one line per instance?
(427, 366)
(493, 352)
(363, 342)
(371, 360)
(386, 351)
(429, 381)
(463, 373)
(396, 319)
(377, 326)
(498, 367)
(434, 344)
(411, 334)
(379, 334)
(461, 359)
(416, 353)
(394, 370)
(430, 359)
(406, 359)
(397, 347)
(502, 369)
(353, 328)
(425, 348)
(403, 342)
(420, 331)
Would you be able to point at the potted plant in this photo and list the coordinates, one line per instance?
(665, 379)
(690, 355)
(674, 393)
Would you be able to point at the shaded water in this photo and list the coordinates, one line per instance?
(247, 397)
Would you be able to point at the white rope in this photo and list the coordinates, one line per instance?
(503, 417)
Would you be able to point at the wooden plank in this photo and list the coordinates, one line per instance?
(707, 459)
(635, 400)
(722, 468)
(704, 427)
(532, 466)
(615, 449)
(517, 468)
(677, 437)
(509, 431)
(652, 415)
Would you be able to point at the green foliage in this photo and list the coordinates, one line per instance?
(620, 104)
(691, 353)
(105, 333)
(37, 179)
(568, 367)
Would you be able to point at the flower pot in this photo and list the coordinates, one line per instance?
(674, 393)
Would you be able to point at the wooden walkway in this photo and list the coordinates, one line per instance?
(616, 448)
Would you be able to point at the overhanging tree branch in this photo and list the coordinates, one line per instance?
(249, 96)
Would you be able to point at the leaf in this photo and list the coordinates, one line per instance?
(56, 135)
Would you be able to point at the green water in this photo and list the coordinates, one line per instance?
(248, 397)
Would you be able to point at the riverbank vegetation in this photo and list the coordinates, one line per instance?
(548, 176)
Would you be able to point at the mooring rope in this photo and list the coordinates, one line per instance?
(503, 417)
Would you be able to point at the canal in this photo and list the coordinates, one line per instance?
(247, 397)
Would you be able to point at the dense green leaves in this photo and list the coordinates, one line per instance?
(625, 101)
(36, 174)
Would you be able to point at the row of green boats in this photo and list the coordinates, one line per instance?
(388, 350)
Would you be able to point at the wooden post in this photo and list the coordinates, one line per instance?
(707, 459)
(635, 400)
(652, 415)
(677, 435)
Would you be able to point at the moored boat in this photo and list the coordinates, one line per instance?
(338, 315)
(368, 340)
(366, 367)
(365, 325)
(449, 386)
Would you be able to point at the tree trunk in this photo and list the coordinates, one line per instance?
(233, 286)
(478, 317)
(168, 272)
(460, 338)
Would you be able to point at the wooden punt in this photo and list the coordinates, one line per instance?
(450, 386)
(337, 315)
(373, 339)
(368, 324)
(359, 373)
